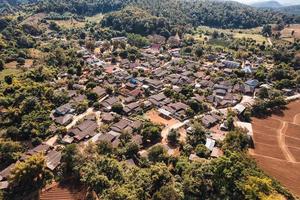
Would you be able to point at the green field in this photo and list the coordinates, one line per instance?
(253, 33)
(11, 71)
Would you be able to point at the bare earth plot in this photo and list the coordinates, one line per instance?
(277, 146)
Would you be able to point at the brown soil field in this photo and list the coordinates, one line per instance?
(292, 142)
(267, 122)
(154, 117)
(295, 152)
(293, 130)
(277, 145)
(287, 32)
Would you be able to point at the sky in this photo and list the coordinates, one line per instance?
(283, 2)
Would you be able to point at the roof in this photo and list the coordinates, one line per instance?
(4, 185)
(216, 152)
(5, 173)
(245, 125)
(210, 143)
(53, 159)
(164, 112)
(239, 108)
(99, 91)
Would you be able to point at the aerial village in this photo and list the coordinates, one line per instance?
(159, 88)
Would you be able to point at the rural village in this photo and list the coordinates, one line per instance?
(148, 99)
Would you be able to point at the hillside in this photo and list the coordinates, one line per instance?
(195, 12)
(295, 10)
(267, 4)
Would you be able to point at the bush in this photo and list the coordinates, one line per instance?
(202, 151)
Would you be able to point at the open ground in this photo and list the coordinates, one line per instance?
(277, 146)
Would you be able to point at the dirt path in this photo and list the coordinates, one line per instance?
(270, 41)
(296, 119)
(89, 111)
(281, 141)
(252, 153)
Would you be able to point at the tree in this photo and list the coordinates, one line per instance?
(131, 149)
(13, 132)
(267, 31)
(8, 79)
(167, 192)
(173, 137)
(29, 175)
(117, 108)
(197, 135)
(9, 152)
(104, 148)
(199, 51)
(236, 140)
(69, 160)
(151, 133)
(1, 64)
(137, 40)
(215, 35)
(157, 153)
(202, 151)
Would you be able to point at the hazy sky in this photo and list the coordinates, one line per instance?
(284, 2)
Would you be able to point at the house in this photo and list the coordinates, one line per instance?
(101, 92)
(154, 84)
(177, 110)
(164, 113)
(159, 99)
(132, 108)
(231, 64)
(87, 128)
(64, 120)
(216, 152)
(239, 108)
(252, 83)
(53, 159)
(210, 120)
(63, 110)
(108, 103)
(119, 39)
(121, 125)
(107, 118)
(210, 143)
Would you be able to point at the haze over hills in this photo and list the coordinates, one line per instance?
(267, 4)
(281, 2)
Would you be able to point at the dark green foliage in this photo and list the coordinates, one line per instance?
(166, 192)
(137, 40)
(202, 151)
(135, 20)
(267, 31)
(151, 133)
(118, 108)
(173, 137)
(197, 135)
(236, 140)
(157, 153)
(1, 64)
(9, 152)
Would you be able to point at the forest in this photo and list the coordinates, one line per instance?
(204, 12)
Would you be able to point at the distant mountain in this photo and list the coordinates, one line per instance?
(294, 10)
(267, 4)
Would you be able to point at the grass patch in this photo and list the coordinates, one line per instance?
(258, 38)
(95, 18)
(68, 24)
(10, 71)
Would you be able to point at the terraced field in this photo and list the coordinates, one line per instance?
(277, 146)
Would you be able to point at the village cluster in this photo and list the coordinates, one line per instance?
(140, 90)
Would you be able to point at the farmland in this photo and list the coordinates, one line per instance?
(277, 146)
